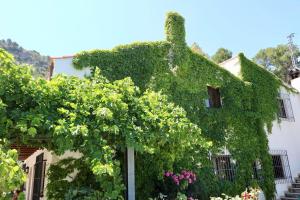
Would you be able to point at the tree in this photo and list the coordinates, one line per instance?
(277, 60)
(221, 55)
(197, 49)
(97, 118)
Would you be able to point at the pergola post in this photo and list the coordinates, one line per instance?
(130, 174)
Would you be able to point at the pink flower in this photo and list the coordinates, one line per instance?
(189, 176)
(181, 177)
(167, 174)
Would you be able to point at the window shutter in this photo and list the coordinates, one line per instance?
(39, 176)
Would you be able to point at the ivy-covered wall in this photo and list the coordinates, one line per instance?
(249, 104)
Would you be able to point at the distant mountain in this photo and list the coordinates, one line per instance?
(39, 62)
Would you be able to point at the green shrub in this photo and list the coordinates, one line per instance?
(11, 173)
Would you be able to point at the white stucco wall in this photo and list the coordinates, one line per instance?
(286, 136)
(30, 162)
(65, 66)
(296, 83)
(50, 158)
(233, 65)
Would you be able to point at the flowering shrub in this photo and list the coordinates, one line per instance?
(176, 185)
(252, 194)
(184, 176)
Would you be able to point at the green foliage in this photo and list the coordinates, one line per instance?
(79, 184)
(138, 60)
(11, 173)
(265, 90)
(6, 59)
(265, 87)
(197, 49)
(174, 28)
(95, 117)
(249, 104)
(221, 55)
(277, 60)
(22, 196)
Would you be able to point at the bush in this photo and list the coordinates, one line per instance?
(175, 186)
(11, 174)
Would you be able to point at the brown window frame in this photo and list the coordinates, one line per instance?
(214, 97)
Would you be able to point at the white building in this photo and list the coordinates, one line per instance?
(284, 140)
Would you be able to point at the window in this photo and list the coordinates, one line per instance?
(224, 167)
(257, 170)
(285, 110)
(278, 167)
(214, 100)
(39, 177)
(281, 113)
(281, 166)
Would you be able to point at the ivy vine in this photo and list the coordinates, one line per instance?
(249, 105)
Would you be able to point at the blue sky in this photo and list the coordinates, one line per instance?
(64, 27)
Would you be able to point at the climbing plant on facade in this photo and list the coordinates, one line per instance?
(95, 117)
(11, 173)
(249, 103)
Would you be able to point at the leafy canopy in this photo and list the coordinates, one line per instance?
(277, 60)
(95, 117)
(197, 49)
(221, 55)
(11, 173)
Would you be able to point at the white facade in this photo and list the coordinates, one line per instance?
(48, 159)
(64, 65)
(30, 163)
(286, 136)
(232, 65)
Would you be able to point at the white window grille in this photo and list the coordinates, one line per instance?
(285, 110)
(281, 166)
(224, 167)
